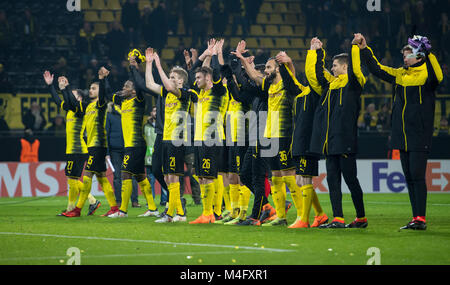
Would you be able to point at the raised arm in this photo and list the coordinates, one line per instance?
(48, 78)
(354, 72)
(102, 74)
(249, 69)
(318, 78)
(168, 85)
(149, 79)
(383, 72)
(69, 99)
(289, 81)
(435, 75)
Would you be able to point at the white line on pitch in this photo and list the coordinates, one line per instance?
(196, 254)
(153, 241)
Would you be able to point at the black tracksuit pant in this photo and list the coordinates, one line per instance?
(338, 166)
(157, 162)
(253, 175)
(414, 164)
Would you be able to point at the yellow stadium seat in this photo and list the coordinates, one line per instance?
(173, 42)
(272, 30)
(113, 5)
(291, 19)
(294, 55)
(266, 42)
(187, 42)
(286, 30)
(297, 43)
(118, 15)
(262, 18)
(98, 5)
(107, 16)
(280, 7)
(85, 5)
(282, 43)
(276, 19)
(234, 42)
(299, 30)
(143, 3)
(100, 28)
(252, 43)
(91, 16)
(256, 30)
(266, 7)
(294, 7)
(167, 54)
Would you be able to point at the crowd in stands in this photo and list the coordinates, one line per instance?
(38, 35)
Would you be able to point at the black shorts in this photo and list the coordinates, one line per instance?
(173, 158)
(134, 160)
(206, 161)
(283, 160)
(96, 160)
(236, 157)
(75, 164)
(306, 165)
(223, 158)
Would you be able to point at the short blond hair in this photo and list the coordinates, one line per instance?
(181, 73)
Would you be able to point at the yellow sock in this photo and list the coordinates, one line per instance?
(218, 195)
(84, 191)
(146, 189)
(107, 189)
(73, 194)
(127, 188)
(234, 200)
(307, 193)
(296, 193)
(226, 198)
(174, 199)
(244, 198)
(318, 211)
(279, 199)
(207, 198)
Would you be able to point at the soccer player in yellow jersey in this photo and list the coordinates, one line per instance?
(209, 136)
(175, 134)
(132, 105)
(76, 149)
(307, 163)
(279, 128)
(95, 116)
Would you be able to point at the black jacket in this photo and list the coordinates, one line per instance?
(335, 121)
(414, 100)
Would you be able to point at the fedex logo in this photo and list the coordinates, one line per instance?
(395, 181)
(390, 174)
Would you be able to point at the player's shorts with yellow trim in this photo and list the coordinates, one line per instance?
(206, 161)
(173, 158)
(236, 157)
(75, 164)
(134, 160)
(283, 160)
(96, 159)
(306, 165)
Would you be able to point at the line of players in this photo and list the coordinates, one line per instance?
(304, 122)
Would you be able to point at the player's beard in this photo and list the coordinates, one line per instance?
(271, 76)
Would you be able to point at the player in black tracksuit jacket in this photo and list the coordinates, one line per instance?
(412, 114)
(335, 125)
(254, 168)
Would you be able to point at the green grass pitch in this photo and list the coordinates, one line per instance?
(32, 234)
